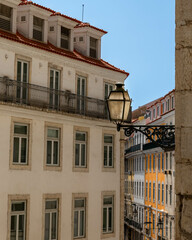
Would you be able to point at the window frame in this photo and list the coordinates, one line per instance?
(37, 28)
(105, 195)
(24, 122)
(51, 212)
(14, 199)
(49, 197)
(108, 168)
(108, 145)
(53, 167)
(77, 196)
(86, 131)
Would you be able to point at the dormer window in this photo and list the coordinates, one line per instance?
(93, 47)
(65, 37)
(38, 28)
(5, 17)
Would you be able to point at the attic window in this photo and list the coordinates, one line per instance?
(93, 47)
(51, 29)
(65, 34)
(38, 28)
(74, 39)
(5, 17)
(23, 18)
(80, 39)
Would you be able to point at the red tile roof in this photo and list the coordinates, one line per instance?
(51, 48)
(65, 16)
(88, 25)
(25, 2)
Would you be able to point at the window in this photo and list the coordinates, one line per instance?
(5, 17)
(150, 220)
(142, 189)
(79, 217)
(153, 223)
(146, 216)
(170, 230)
(153, 191)
(162, 193)
(172, 102)
(108, 150)
(20, 143)
(22, 79)
(159, 192)
(53, 146)
(159, 163)
(143, 163)
(171, 160)
(54, 88)
(166, 163)
(166, 194)
(51, 219)
(81, 94)
(162, 161)
(153, 162)
(157, 111)
(168, 105)
(149, 191)
(163, 107)
(150, 162)
(146, 190)
(38, 28)
(154, 114)
(80, 39)
(18, 220)
(170, 194)
(80, 149)
(108, 214)
(93, 47)
(146, 166)
(166, 227)
(65, 37)
(139, 189)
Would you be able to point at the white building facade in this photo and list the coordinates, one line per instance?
(60, 156)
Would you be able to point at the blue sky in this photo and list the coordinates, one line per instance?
(140, 40)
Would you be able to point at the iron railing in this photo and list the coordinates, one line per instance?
(38, 96)
(133, 148)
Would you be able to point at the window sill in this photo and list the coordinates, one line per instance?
(108, 169)
(80, 169)
(107, 235)
(20, 167)
(52, 168)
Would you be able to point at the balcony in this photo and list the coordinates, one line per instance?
(133, 223)
(149, 145)
(25, 94)
(133, 149)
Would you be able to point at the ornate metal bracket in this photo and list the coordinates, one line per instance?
(161, 135)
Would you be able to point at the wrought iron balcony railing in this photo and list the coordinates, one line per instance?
(133, 148)
(62, 101)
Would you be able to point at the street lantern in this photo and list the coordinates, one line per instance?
(119, 107)
(119, 104)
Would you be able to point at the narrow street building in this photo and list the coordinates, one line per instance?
(159, 177)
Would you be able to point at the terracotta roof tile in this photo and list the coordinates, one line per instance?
(65, 16)
(51, 48)
(25, 2)
(88, 25)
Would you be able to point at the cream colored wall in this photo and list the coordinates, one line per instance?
(39, 68)
(38, 182)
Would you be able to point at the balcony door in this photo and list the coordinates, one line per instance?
(54, 88)
(22, 80)
(81, 94)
